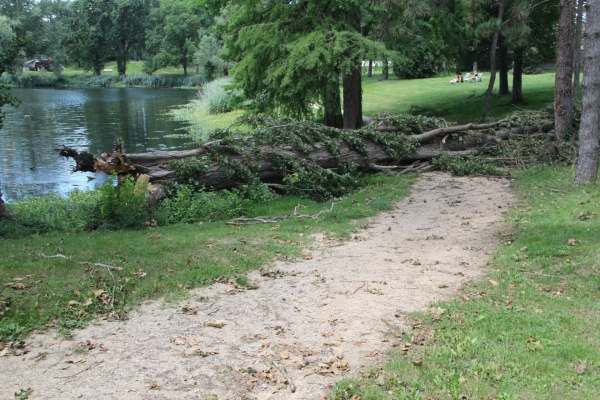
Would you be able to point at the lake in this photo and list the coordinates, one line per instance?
(89, 119)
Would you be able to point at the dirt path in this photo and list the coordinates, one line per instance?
(318, 320)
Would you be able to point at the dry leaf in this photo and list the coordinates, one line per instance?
(493, 282)
(76, 292)
(371, 353)
(193, 342)
(215, 324)
(284, 355)
(79, 360)
(417, 363)
(580, 368)
(155, 386)
(442, 286)
(572, 241)
(97, 292)
(326, 334)
(203, 353)
(358, 343)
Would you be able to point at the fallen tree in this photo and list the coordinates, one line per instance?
(301, 155)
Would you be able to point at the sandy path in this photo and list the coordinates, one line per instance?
(319, 319)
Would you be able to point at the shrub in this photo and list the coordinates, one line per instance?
(52, 213)
(460, 166)
(37, 79)
(193, 81)
(186, 205)
(215, 97)
(124, 206)
(151, 81)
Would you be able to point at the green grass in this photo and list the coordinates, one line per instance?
(521, 332)
(460, 103)
(133, 67)
(38, 292)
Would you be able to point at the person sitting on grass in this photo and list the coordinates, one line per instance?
(456, 80)
(474, 76)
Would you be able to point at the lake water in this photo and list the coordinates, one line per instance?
(84, 119)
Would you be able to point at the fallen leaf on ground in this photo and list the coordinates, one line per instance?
(580, 368)
(193, 342)
(155, 386)
(371, 353)
(215, 324)
(205, 353)
(493, 282)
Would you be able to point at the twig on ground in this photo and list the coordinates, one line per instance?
(214, 312)
(83, 370)
(285, 375)
(267, 220)
(54, 256)
(360, 287)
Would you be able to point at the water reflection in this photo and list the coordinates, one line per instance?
(85, 119)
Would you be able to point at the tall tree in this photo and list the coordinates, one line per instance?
(577, 50)
(127, 31)
(173, 33)
(497, 26)
(292, 54)
(89, 38)
(9, 49)
(564, 69)
(587, 164)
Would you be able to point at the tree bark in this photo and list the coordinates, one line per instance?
(353, 100)
(587, 164)
(4, 213)
(577, 51)
(564, 69)
(517, 87)
(385, 70)
(332, 103)
(488, 96)
(370, 70)
(503, 58)
(157, 167)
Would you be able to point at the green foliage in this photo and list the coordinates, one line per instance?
(532, 62)
(193, 81)
(124, 206)
(37, 79)
(151, 81)
(215, 96)
(461, 166)
(187, 205)
(52, 213)
(172, 41)
(301, 176)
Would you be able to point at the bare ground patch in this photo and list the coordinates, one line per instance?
(308, 323)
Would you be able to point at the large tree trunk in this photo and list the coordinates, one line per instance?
(158, 167)
(488, 96)
(353, 100)
(587, 165)
(332, 103)
(4, 213)
(385, 69)
(503, 58)
(517, 87)
(370, 70)
(564, 69)
(577, 51)
(352, 81)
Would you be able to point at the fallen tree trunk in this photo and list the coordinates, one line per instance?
(281, 149)
(158, 166)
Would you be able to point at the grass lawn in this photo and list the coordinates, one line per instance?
(530, 330)
(463, 102)
(133, 67)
